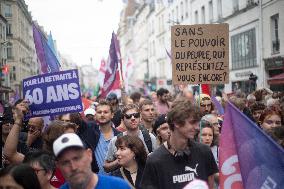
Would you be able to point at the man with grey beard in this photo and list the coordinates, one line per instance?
(74, 162)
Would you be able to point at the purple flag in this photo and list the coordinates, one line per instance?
(46, 57)
(14, 97)
(217, 105)
(249, 158)
(111, 66)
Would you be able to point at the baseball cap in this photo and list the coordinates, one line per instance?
(159, 121)
(90, 111)
(66, 141)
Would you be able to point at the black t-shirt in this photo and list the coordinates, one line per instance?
(164, 170)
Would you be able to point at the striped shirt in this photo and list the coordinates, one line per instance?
(101, 151)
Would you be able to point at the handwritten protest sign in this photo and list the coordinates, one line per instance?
(200, 54)
(53, 93)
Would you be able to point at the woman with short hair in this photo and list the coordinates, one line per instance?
(271, 117)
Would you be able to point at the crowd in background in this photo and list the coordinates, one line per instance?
(118, 135)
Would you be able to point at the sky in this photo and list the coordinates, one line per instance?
(82, 29)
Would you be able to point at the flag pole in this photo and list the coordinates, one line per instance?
(200, 131)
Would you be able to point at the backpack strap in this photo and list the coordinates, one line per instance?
(147, 138)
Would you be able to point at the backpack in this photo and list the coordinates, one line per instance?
(146, 136)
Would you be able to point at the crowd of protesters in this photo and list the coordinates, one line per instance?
(161, 140)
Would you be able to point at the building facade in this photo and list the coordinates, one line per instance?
(4, 76)
(21, 56)
(255, 31)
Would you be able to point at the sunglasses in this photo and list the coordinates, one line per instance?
(129, 116)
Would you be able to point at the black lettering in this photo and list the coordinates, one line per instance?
(178, 66)
(177, 32)
(178, 55)
(199, 31)
(189, 78)
(222, 42)
(182, 43)
(190, 42)
(184, 32)
(191, 31)
(219, 66)
(176, 45)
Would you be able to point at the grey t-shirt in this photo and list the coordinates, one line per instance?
(112, 148)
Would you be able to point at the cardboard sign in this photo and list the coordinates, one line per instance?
(200, 54)
(53, 93)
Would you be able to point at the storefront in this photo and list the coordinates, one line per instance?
(275, 69)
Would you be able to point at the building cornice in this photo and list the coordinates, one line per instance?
(22, 5)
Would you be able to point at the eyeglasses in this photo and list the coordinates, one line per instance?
(38, 170)
(129, 116)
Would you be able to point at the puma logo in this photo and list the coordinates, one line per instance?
(187, 168)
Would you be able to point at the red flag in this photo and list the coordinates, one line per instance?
(205, 88)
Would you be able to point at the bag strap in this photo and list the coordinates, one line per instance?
(147, 139)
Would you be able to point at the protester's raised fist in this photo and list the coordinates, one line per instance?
(23, 106)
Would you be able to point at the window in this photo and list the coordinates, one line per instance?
(169, 20)
(7, 10)
(210, 11)
(173, 15)
(153, 26)
(196, 17)
(162, 23)
(181, 11)
(219, 8)
(202, 15)
(1, 33)
(236, 5)
(9, 29)
(274, 34)
(186, 8)
(243, 48)
(9, 51)
(13, 75)
(177, 14)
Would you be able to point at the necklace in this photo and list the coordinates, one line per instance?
(133, 172)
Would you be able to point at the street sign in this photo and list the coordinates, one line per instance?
(200, 54)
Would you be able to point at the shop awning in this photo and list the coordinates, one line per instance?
(276, 80)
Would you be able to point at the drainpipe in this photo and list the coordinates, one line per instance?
(262, 78)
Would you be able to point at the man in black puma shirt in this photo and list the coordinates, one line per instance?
(180, 160)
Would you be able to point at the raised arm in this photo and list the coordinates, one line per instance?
(10, 148)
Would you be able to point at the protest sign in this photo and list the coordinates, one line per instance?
(200, 54)
(53, 93)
